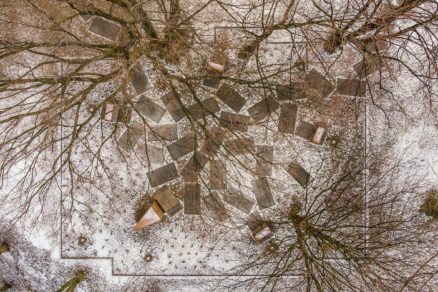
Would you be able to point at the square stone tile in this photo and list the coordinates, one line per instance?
(162, 175)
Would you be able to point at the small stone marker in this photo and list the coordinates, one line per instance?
(264, 160)
(288, 117)
(182, 146)
(139, 80)
(293, 91)
(104, 28)
(262, 192)
(319, 83)
(208, 106)
(194, 166)
(352, 87)
(150, 109)
(129, 138)
(162, 175)
(308, 132)
(173, 107)
(235, 122)
(167, 201)
(215, 206)
(235, 198)
(192, 199)
(240, 145)
(230, 97)
(218, 175)
(263, 108)
(163, 132)
(299, 174)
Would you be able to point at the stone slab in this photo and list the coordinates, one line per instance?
(139, 81)
(163, 132)
(240, 145)
(235, 198)
(288, 117)
(150, 109)
(263, 108)
(162, 175)
(369, 64)
(194, 166)
(104, 28)
(206, 108)
(262, 192)
(192, 199)
(352, 87)
(151, 153)
(215, 206)
(182, 146)
(173, 106)
(307, 131)
(318, 83)
(218, 175)
(291, 92)
(167, 201)
(213, 142)
(299, 174)
(264, 160)
(235, 122)
(230, 97)
(129, 138)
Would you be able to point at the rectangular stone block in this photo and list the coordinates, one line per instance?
(235, 122)
(151, 153)
(104, 28)
(264, 160)
(263, 108)
(230, 97)
(150, 109)
(213, 142)
(182, 146)
(163, 132)
(307, 131)
(235, 198)
(129, 138)
(192, 199)
(167, 201)
(240, 145)
(368, 65)
(173, 106)
(162, 175)
(194, 166)
(299, 174)
(292, 91)
(218, 175)
(139, 81)
(319, 83)
(288, 117)
(215, 206)
(352, 87)
(208, 107)
(262, 192)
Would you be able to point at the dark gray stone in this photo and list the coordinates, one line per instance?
(151, 153)
(194, 166)
(213, 142)
(264, 160)
(162, 175)
(129, 138)
(173, 106)
(263, 108)
(240, 145)
(288, 117)
(299, 174)
(307, 131)
(215, 206)
(235, 122)
(212, 82)
(230, 97)
(352, 87)
(293, 91)
(182, 146)
(192, 199)
(163, 132)
(319, 83)
(139, 80)
(208, 107)
(235, 198)
(368, 65)
(262, 192)
(150, 109)
(104, 28)
(218, 175)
